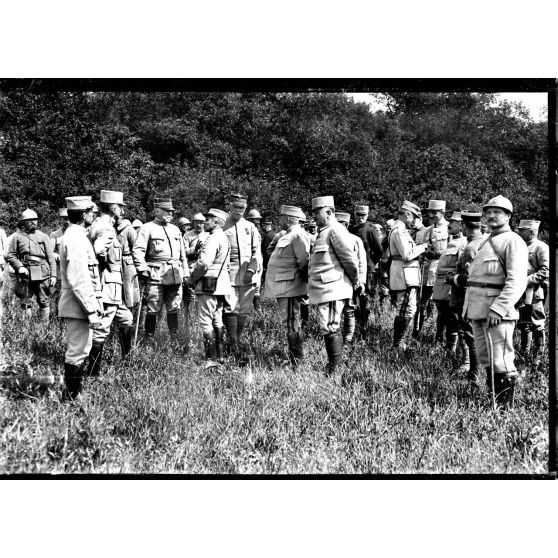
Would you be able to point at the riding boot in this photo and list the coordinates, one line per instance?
(364, 315)
(440, 324)
(300, 346)
(241, 323)
(219, 343)
(210, 350)
(304, 315)
(172, 323)
(292, 340)
(150, 325)
(418, 321)
(231, 325)
(504, 388)
(95, 356)
(399, 328)
(126, 335)
(73, 380)
(471, 353)
(257, 303)
(349, 326)
(525, 342)
(334, 349)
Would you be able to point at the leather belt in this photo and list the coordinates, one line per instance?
(483, 285)
(32, 259)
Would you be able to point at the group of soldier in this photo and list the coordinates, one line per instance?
(483, 278)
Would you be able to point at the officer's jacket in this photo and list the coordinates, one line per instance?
(438, 237)
(56, 237)
(3, 246)
(266, 240)
(490, 285)
(371, 241)
(405, 268)
(214, 261)
(246, 253)
(160, 249)
(108, 250)
(81, 285)
(447, 264)
(274, 240)
(126, 235)
(34, 252)
(287, 269)
(333, 270)
(538, 271)
(191, 239)
(462, 270)
(362, 259)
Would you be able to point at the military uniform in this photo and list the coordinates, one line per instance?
(193, 242)
(3, 254)
(126, 235)
(32, 252)
(159, 249)
(497, 280)
(287, 281)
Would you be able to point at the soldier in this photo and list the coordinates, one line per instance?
(437, 237)
(3, 253)
(497, 279)
(349, 324)
(471, 225)
(30, 255)
(370, 237)
(210, 275)
(161, 263)
(130, 285)
(287, 278)
(246, 261)
(532, 315)
(80, 301)
(108, 250)
(184, 225)
(136, 225)
(56, 237)
(268, 234)
(404, 275)
(333, 277)
(255, 218)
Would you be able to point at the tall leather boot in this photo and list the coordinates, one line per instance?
(349, 326)
(73, 378)
(470, 351)
(241, 323)
(399, 328)
(296, 348)
(334, 349)
(525, 342)
(304, 311)
(219, 343)
(126, 336)
(187, 319)
(257, 303)
(210, 350)
(172, 323)
(464, 350)
(300, 346)
(231, 325)
(418, 320)
(150, 325)
(504, 389)
(440, 325)
(95, 356)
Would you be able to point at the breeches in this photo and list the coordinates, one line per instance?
(26, 290)
(532, 316)
(289, 307)
(169, 294)
(188, 293)
(241, 300)
(497, 342)
(210, 312)
(406, 305)
(120, 313)
(80, 338)
(329, 315)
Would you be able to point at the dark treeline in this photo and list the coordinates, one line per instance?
(277, 148)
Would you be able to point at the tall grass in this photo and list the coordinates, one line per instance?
(397, 412)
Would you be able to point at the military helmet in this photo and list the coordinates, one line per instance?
(198, 217)
(183, 221)
(28, 214)
(499, 201)
(253, 214)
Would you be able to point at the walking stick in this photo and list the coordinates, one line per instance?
(491, 356)
(142, 290)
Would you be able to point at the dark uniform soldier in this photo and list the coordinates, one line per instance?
(267, 237)
(31, 256)
(370, 237)
(531, 314)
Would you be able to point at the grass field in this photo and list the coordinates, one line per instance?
(399, 412)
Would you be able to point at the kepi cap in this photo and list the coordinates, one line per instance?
(323, 201)
(529, 224)
(409, 206)
(436, 205)
(362, 209)
(198, 217)
(456, 216)
(343, 217)
(163, 203)
(79, 203)
(290, 211)
(218, 213)
(111, 196)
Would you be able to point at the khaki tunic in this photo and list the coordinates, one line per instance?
(191, 239)
(214, 261)
(405, 269)
(246, 253)
(538, 271)
(130, 288)
(36, 246)
(447, 264)
(438, 237)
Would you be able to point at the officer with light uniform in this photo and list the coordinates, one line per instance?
(108, 250)
(210, 275)
(497, 280)
(127, 237)
(437, 237)
(184, 225)
(349, 324)
(161, 263)
(287, 277)
(333, 277)
(80, 301)
(31, 256)
(404, 276)
(255, 218)
(246, 261)
(532, 315)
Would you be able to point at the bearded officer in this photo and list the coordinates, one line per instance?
(333, 277)
(349, 322)
(497, 279)
(287, 278)
(127, 237)
(108, 250)
(246, 261)
(31, 256)
(80, 301)
(437, 237)
(161, 263)
(531, 314)
(404, 276)
(210, 276)
(370, 237)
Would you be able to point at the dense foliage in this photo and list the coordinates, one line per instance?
(277, 148)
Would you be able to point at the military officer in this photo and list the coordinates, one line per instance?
(185, 225)
(370, 237)
(136, 225)
(246, 261)
(532, 315)
(349, 324)
(80, 301)
(56, 237)
(497, 279)
(161, 263)
(255, 218)
(287, 277)
(127, 237)
(437, 237)
(404, 275)
(471, 225)
(333, 277)
(210, 275)
(31, 256)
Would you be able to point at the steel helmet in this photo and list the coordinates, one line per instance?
(183, 221)
(501, 202)
(253, 214)
(198, 217)
(28, 214)
(136, 223)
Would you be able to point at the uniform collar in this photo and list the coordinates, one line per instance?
(500, 231)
